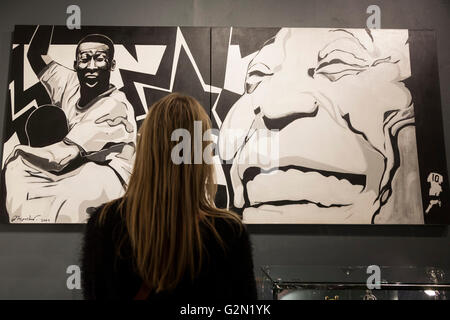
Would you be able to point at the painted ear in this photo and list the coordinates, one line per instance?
(75, 67)
(113, 65)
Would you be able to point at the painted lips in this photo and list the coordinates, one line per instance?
(91, 79)
(301, 185)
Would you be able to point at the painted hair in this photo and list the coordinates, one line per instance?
(98, 38)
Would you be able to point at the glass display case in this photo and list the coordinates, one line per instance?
(351, 283)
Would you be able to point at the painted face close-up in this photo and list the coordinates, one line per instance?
(93, 64)
(335, 102)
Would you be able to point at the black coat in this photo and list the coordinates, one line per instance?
(224, 275)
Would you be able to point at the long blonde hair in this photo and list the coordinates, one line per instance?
(166, 203)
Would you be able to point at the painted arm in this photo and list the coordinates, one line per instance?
(37, 52)
(54, 157)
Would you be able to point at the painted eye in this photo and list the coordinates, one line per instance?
(100, 58)
(336, 68)
(255, 75)
(85, 58)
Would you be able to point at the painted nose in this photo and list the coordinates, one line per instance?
(278, 116)
(91, 65)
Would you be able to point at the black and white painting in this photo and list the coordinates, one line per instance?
(313, 125)
(76, 99)
(330, 126)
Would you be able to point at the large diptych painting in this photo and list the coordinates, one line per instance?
(313, 125)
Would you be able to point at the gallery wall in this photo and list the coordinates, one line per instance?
(34, 259)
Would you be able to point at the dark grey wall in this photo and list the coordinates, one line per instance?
(33, 259)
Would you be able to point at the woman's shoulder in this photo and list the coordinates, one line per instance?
(106, 215)
(104, 228)
(230, 230)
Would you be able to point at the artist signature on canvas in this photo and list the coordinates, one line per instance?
(29, 218)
